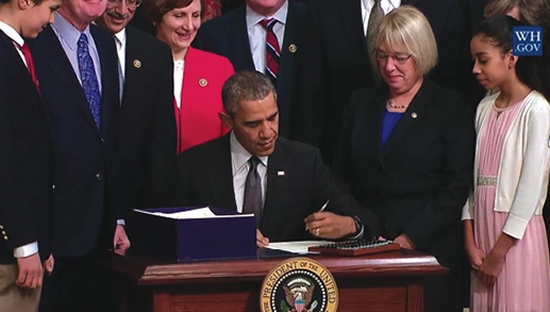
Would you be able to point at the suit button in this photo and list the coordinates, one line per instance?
(53, 186)
(102, 140)
(98, 176)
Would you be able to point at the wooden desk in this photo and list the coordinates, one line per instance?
(388, 282)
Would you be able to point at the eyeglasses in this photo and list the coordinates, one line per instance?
(130, 3)
(400, 58)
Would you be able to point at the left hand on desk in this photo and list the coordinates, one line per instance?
(404, 241)
(261, 240)
(121, 243)
(330, 225)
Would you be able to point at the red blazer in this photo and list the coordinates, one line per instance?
(197, 120)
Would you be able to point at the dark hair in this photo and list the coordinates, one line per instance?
(498, 31)
(246, 85)
(157, 8)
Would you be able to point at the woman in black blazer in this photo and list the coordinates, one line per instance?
(406, 152)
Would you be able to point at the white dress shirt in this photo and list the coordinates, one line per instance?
(179, 68)
(257, 34)
(240, 167)
(366, 7)
(68, 38)
(18, 41)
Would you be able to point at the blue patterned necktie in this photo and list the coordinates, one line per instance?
(89, 78)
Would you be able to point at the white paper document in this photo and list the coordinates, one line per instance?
(199, 213)
(298, 247)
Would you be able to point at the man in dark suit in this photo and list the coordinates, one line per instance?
(147, 133)
(76, 65)
(239, 36)
(338, 61)
(25, 159)
(294, 181)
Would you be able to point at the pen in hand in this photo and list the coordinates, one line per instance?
(321, 209)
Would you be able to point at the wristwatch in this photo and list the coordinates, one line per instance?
(358, 226)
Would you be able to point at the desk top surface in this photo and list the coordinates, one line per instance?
(149, 271)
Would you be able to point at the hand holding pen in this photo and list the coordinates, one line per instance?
(320, 210)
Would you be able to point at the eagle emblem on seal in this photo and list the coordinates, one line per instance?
(298, 295)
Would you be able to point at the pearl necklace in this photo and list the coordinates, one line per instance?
(393, 106)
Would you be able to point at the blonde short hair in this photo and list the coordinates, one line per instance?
(406, 27)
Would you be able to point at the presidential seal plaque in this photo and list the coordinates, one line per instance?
(299, 285)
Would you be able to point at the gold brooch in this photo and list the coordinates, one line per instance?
(292, 48)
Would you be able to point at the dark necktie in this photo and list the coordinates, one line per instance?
(272, 50)
(89, 78)
(30, 64)
(375, 16)
(120, 73)
(252, 202)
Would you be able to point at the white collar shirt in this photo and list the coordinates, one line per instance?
(257, 34)
(240, 167)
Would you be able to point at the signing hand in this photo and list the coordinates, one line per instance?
(121, 243)
(329, 225)
(261, 240)
(30, 271)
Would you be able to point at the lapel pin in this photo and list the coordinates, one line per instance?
(280, 173)
(414, 115)
(203, 82)
(137, 63)
(292, 48)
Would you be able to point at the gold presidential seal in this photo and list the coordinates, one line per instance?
(299, 285)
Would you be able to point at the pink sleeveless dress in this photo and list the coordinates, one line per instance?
(524, 282)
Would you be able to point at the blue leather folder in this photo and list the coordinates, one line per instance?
(221, 237)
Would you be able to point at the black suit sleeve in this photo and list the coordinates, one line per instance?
(162, 143)
(456, 179)
(17, 219)
(341, 202)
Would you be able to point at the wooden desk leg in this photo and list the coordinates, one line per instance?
(415, 297)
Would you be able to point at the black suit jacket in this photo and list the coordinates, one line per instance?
(25, 169)
(227, 35)
(337, 63)
(147, 135)
(418, 183)
(303, 188)
(84, 158)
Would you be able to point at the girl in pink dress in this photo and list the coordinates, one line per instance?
(505, 235)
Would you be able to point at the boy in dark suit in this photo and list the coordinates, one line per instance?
(26, 139)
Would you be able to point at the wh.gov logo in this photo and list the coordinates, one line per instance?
(527, 40)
